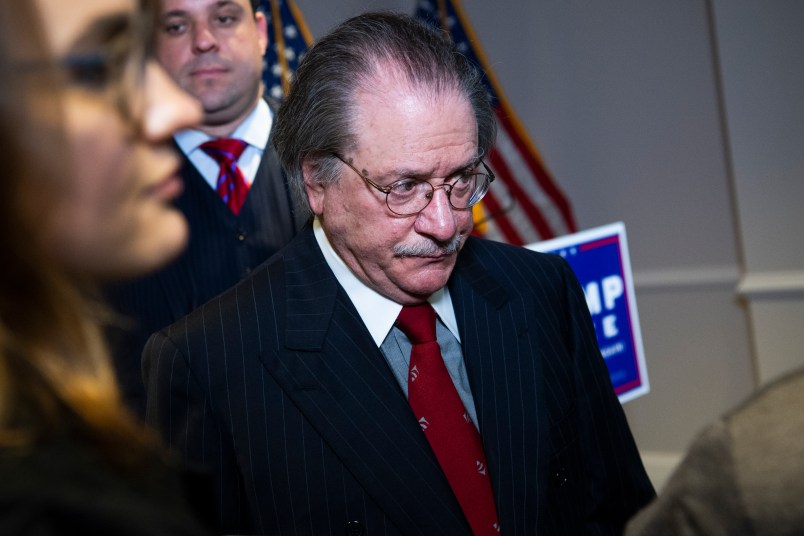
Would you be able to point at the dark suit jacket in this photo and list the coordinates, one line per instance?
(223, 248)
(277, 386)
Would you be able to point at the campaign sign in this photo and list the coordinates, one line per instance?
(599, 258)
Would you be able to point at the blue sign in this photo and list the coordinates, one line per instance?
(599, 258)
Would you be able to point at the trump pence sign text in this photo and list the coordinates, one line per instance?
(599, 258)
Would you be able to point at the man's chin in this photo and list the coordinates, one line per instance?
(430, 277)
(444, 261)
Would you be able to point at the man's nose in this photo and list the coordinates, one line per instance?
(437, 220)
(167, 107)
(204, 39)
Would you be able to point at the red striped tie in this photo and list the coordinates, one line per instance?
(445, 422)
(232, 187)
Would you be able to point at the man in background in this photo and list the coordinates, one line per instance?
(235, 198)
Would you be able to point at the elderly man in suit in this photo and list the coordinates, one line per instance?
(386, 373)
(240, 210)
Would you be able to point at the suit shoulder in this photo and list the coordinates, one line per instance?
(484, 264)
(497, 256)
(239, 301)
(772, 411)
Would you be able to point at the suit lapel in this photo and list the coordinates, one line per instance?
(338, 379)
(499, 343)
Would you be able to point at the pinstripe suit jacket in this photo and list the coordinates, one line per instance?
(277, 387)
(223, 248)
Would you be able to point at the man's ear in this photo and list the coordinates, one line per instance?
(262, 30)
(315, 190)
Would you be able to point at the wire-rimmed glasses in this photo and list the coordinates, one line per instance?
(409, 196)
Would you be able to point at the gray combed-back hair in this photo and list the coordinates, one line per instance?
(317, 117)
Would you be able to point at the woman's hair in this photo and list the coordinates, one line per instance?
(56, 377)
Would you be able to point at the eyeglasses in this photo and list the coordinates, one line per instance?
(91, 70)
(100, 61)
(407, 197)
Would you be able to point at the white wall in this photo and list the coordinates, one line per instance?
(683, 119)
(762, 57)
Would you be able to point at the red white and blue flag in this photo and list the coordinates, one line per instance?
(524, 204)
(288, 39)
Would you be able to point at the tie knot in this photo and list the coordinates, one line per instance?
(224, 150)
(417, 322)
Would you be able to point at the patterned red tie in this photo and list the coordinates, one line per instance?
(445, 422)
(232, 187)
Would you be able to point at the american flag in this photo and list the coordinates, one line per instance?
(288, 39)
(524, 204)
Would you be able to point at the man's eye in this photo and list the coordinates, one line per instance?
(408, 188)
(174, 28)
(226, 20)
(405, 185)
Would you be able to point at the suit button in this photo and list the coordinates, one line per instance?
(560, 477)
(241, 235)
(354, 528)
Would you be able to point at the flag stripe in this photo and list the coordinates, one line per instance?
(530, 192)
(524, 203)
(500, 224)
(554, 195)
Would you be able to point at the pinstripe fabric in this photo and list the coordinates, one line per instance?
(223, 248)
(278, 388)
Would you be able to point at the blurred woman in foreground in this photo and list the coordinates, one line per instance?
(87, 182)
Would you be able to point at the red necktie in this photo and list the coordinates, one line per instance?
(445, 422)
(232, 187)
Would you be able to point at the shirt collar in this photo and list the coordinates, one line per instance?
(254, 130)
(378, 312)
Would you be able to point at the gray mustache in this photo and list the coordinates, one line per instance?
(428, 248)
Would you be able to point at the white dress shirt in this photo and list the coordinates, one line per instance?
(254, 131)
